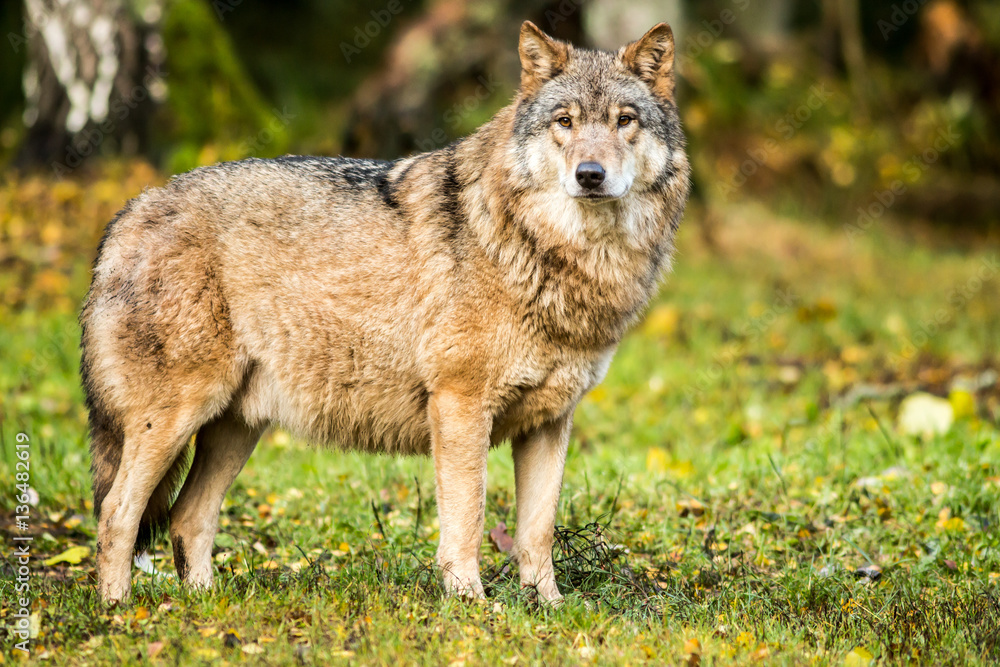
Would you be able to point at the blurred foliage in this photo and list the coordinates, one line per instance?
(213, 107)
(785, 120)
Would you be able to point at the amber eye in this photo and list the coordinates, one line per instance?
(565, 121)
(624, 120)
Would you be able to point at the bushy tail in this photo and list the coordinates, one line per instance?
(107, 439)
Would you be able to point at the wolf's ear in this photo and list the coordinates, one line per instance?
(652, 59)
(541, 57)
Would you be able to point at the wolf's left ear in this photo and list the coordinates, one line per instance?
(652, 59)
(541, 57)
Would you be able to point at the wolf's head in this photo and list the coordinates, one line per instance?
(596, 125)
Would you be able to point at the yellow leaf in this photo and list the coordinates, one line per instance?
(141, 614)
(963, 404)
(859, 657)
(662, 321)
(345, 547)
(657, 460)
(73, 556)
(598, 394)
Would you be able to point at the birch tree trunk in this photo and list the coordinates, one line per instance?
(91, 81)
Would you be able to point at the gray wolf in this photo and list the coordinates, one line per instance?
(438, 304)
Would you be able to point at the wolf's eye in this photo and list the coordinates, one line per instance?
(565, 121)
(624, 120)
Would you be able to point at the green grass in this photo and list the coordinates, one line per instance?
(724, 484)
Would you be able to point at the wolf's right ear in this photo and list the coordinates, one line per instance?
(541, 57)
(651, 57)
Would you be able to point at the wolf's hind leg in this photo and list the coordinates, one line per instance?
(539, 458)
(222, 448)
(148, 454)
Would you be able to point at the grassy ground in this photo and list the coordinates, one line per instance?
(739, 489)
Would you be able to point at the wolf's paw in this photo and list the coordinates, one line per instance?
(469, 587)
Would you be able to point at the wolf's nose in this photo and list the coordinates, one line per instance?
(590, 175)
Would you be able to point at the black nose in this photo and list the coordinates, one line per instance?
(590, 175)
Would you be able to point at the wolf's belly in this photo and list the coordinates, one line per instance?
(341, 395)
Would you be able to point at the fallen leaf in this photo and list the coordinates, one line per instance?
(662, 321)
(73, 556)
(690, 507)
(154, 649)
(869, 572)
(253, 648)
(692, 652)
(657, 460)
(963, 403)
(859, 657)
(500, 539)
(925, 415)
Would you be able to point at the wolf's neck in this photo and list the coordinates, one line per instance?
(581, 272)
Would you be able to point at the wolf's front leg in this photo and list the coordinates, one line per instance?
(460, 440)
(539, 458)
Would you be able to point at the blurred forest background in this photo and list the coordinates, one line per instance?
(794, 456)
(825, 109)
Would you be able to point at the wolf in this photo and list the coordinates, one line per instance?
(443, 303)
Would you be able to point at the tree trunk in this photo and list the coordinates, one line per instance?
(91, 80)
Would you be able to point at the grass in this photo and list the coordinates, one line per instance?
(729, 488)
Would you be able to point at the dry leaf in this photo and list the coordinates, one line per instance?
(690, 507)
(500, 539)
(73, 556)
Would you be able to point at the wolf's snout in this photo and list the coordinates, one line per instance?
(589, 175)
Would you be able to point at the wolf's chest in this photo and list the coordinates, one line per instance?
(559, 389)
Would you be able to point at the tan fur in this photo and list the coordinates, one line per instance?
(437, 305)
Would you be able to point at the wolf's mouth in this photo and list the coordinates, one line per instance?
(595, 198)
